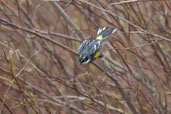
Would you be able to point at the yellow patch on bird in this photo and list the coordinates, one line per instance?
(99, 37)
(96, 55)
(80, 56)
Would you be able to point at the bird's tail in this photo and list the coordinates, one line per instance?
(104, 33)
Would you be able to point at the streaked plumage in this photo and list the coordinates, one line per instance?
(91, 48)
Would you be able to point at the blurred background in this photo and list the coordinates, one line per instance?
(39, 65)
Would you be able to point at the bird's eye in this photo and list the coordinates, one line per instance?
(85, 59)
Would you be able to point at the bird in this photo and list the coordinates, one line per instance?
(91, 48)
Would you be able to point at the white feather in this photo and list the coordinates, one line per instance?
(98, 43)
(99, 31)
(94, 47)
(104, 28)
(86, 62)
(114, 30)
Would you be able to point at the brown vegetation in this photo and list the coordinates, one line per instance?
(39, 69)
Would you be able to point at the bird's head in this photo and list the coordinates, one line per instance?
(84, 59)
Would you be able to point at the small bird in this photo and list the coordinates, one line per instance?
(91, 48)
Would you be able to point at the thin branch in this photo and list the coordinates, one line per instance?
(150, 33)
(68, 20)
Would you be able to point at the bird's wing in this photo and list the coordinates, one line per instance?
(93, 47)
(84, 45)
